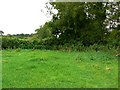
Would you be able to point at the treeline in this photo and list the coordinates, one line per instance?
(76, 26)
(20, 35)
(83, 23)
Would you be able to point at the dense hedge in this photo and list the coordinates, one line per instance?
(12, 43)
(72, 45)
(53, 44)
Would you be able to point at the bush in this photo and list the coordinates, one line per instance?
(54, 44)
(12, 43)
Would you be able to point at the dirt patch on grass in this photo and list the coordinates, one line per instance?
(6, 61)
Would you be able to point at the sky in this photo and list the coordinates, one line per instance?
(22, 16)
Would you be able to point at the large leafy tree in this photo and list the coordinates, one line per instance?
(81, 21)
(84, 21)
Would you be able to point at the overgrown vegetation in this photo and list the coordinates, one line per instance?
(76, 25)
(53, 44)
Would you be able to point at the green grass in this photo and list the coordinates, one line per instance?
(58, 69)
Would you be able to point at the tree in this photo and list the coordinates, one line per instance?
(81, 21)
(1, 32)
(84, 21)
(44, 31)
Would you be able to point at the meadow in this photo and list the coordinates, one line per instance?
(27, 68)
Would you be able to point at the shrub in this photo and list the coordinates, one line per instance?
(54, 44)
(12, 43)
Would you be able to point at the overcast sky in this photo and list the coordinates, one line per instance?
(21, 16)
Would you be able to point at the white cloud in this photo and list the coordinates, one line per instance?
(21, 16)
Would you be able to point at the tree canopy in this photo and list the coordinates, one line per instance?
(87, 22)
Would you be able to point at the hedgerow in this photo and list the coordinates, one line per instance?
(53, 44)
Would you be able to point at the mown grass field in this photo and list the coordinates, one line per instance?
(57, 69)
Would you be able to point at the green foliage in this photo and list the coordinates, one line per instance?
(79, 21)
(55, 44)
(43, 32)
(13, 42)
(84, 22)
(113, 38)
